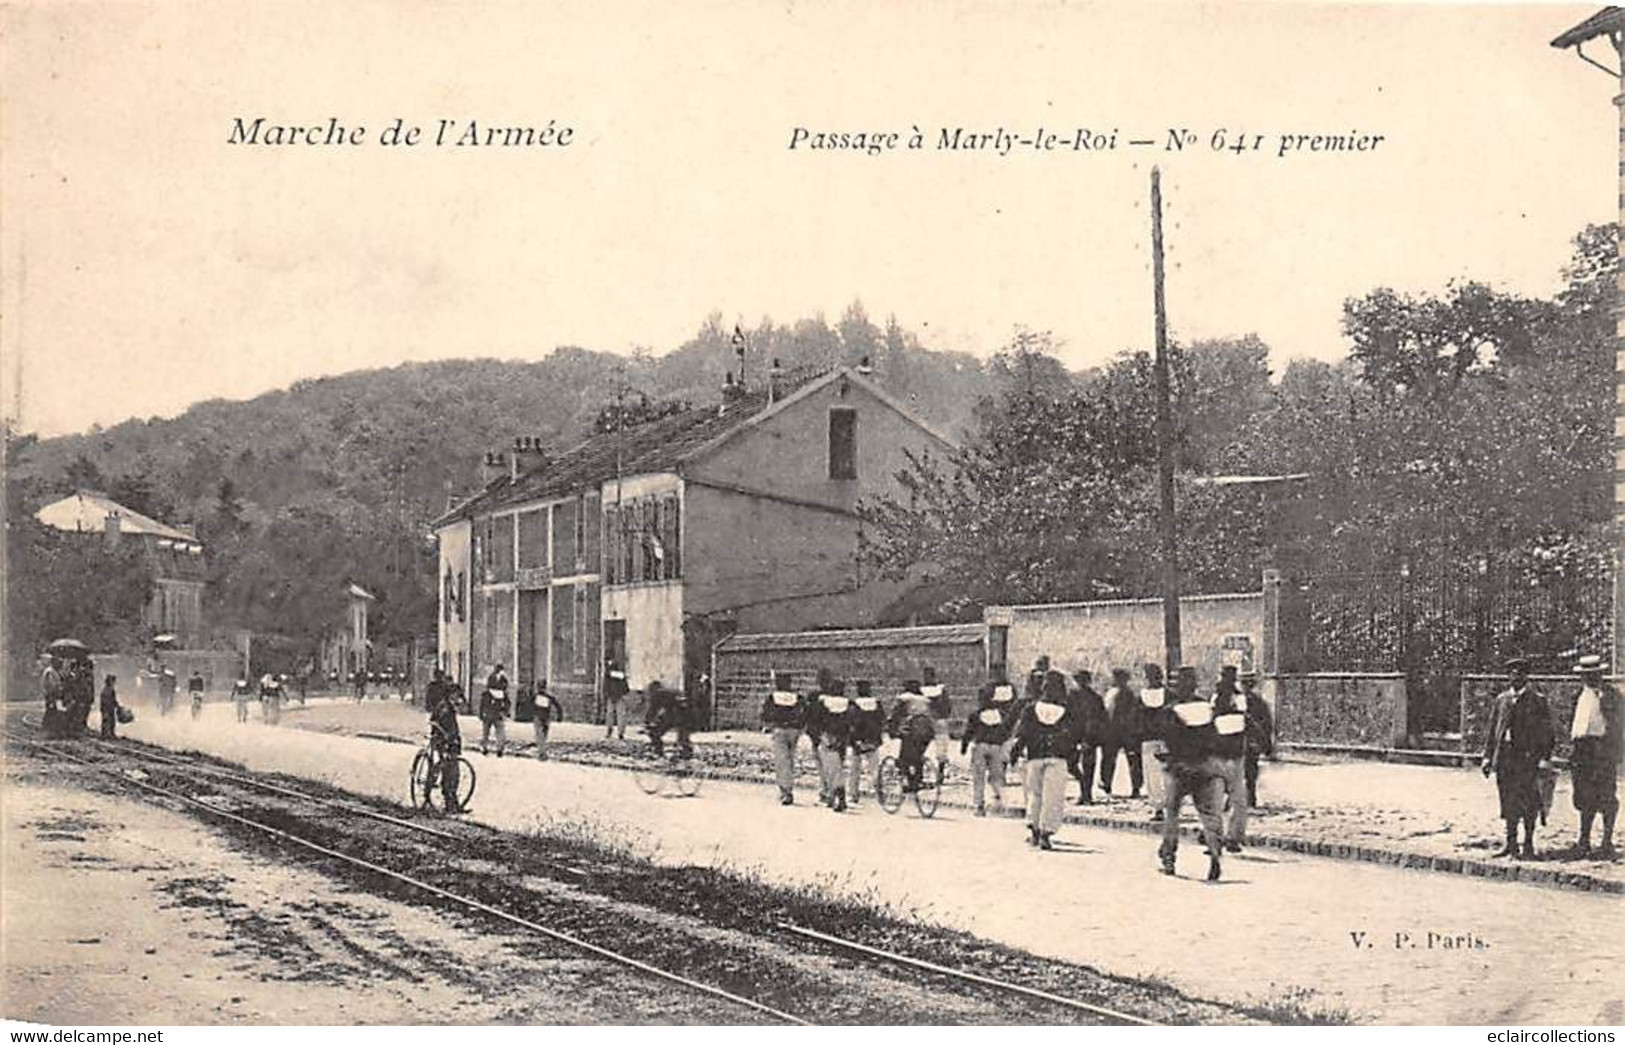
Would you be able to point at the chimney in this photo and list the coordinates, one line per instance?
(529, 454)
(111, 529)
(492, 467)
(864, 369)
(775, 379)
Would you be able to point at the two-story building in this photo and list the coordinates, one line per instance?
(174, 555)
(648, 545)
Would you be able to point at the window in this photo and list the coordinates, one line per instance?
(581, 536)
(843, 443)
(612, 545)
(671, 538)
(533, 539)
(566, 523)
(653, 553)
(579, 661)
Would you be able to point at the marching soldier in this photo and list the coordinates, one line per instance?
(270, 699)
(1090, 724)
(1192, 769)
(868, 733)
(241, 691)
(1230, 748)
(1260, 732)
(543, 706)
(941, 708)
(1046, 734)
(1121, 732)
(987, 736)
(829, 720)
(1599, 741)
(1519, 740)
(784, 716)
(194, 689)
(1148, 729)
(615, 691)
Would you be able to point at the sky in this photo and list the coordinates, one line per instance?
(147, 263)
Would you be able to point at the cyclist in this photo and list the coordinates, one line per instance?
(445, 738)
(670, 709)
(914, 726)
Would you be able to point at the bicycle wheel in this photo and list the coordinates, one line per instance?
(930, 792)
(689, 775)
(650, 776)
(465, 782)
(889, 785)
(425, 776)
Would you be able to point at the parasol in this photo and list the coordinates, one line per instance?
(165, 642)
(69, 648)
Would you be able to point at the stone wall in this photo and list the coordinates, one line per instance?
(1100, 636)
(1363, 710)
(886, 656)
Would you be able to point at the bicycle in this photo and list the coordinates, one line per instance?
(891, 792)
(427, 766)
(683, 771)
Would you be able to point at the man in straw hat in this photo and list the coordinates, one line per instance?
(1520, 738)
(1598, 742)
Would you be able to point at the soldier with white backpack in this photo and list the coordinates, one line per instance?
(987, 737)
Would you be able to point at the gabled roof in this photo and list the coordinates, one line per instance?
(86, 511)
(659, 446)
(1609, 20)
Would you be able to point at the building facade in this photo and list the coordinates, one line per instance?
(647, 546)
(174, 556)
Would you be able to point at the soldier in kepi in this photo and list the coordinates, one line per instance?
(1599, 741)
(1519, 740)
(784, 716)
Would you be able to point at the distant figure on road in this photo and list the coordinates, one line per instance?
(670, 710)
(360, 682)
(1147, 717)
(53, 690)
(242, 691)
(109, 707)
(1520, 739)
(784, 716)
(1599, 741)
(494, 710)
(1121, 733)
(829, 719)
(1090, 725)
(167, 685)
(615, 691)
(194, 689)
(542, 706)
(440, 700)
(270, 699)
(1260, 732)
(986, 736)
(1047, 734)
(1191, 768)
(868, 733)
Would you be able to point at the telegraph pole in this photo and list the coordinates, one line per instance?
(1165, 446)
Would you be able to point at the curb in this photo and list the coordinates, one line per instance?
(1459, 865)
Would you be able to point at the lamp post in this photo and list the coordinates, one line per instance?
(1172, 654)
(1609, 24)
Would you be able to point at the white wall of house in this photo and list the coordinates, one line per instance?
(652, 610)
(454, 601)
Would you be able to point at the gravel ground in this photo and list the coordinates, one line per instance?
(712, 927)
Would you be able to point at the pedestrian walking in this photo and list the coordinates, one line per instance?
(109, 707)
(1598, 736)
(1518, 744)
(544, 708)
(1046, 735)
(194, 689)
(81, 695)
(270, 699)
(942, 710)
(167, 685)
(1191, 769)
(242, 691)
(987, 736)
(1260, 732)
(1090, 724)
(1121, 734)
(494, 711)
(1146, 729)
(784, 716)
(615, 691)
(868, 733)
(1230, 748)
(830, 720)
(53, 690)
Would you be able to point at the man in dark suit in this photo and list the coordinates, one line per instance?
(1122, 732)
(1520, 738)
(1090, 725)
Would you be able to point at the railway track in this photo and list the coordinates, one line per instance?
(1037, 1004)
